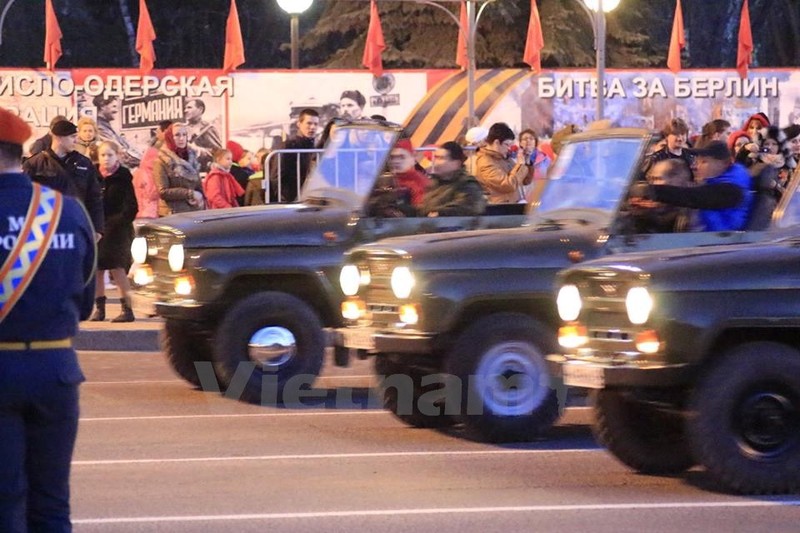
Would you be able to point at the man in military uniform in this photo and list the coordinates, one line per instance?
(47, 257)
(62, 168)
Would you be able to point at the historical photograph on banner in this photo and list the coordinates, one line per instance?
(129, 109)
(266, 106)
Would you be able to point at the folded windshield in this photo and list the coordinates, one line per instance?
(590, 175)
(352, 160)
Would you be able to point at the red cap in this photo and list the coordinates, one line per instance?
(13, 130)
(405, 144)
(236, 150)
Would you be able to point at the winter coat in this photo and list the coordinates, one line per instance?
(74, 175)
(254, 192)
(143, 184)
(221, 189)
(501, 178)
(452, 195)
(176, 180)
(88, 149)
(120, 207)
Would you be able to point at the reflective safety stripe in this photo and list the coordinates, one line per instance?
(21, 265)
(35, 345)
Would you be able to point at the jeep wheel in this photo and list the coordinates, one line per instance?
(265, 340)
(506, 390)
(746, 431)
(645, 438)
(420, 406)
(185, 343)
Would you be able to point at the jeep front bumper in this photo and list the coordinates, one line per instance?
(595, 375)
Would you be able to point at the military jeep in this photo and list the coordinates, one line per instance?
(475, 310)
(253, 289)
(694, 358)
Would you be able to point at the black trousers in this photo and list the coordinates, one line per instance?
(38, 426)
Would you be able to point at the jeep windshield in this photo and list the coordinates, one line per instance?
(589, 179)
(353, 158)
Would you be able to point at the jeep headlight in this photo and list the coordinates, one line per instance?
(139, 250)
(638, 303)
(569, 303)
(175, 257)
(402, 282)
(350, 280)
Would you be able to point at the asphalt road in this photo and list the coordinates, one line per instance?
(155, 455)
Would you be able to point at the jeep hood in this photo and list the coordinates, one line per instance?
(525, 247)
(260, 226)
(762, 265)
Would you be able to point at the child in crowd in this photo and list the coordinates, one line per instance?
(220, 187)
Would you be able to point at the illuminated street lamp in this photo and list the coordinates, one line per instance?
(295, 8)
(597, 10)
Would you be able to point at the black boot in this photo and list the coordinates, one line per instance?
(100, 309)
(127, 313)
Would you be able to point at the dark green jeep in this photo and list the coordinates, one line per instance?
(252, 289)
(694, 356)
(474, 311)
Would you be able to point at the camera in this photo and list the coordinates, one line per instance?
(764, 150)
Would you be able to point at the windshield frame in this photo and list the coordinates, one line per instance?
(322, 179)
(579, 210)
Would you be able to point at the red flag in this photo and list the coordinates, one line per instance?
(375, 44)
(535, 41)
(677, 42)
(145, 35)
(745, 54)
(234, 46)
(52, 36)
(462, 56)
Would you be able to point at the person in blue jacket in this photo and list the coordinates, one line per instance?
(47, 260)
(722, 194)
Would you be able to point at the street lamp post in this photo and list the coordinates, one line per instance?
(597, 10)
(295, 8)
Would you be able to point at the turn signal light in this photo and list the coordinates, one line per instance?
(572, 336)
(353, 308)
(409, 314)
(647, 341)
(184, 285)
(143, 275)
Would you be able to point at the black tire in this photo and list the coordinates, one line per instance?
(511, 347)
(643, 437)
(232, 351)
(746, 428)
(184, 343)
(403, 393)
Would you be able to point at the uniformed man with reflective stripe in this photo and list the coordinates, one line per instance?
(47, 256)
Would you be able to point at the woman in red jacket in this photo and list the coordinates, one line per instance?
(220, 187)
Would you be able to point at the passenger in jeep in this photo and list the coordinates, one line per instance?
(452, 192)
(723, 195)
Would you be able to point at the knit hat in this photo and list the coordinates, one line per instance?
(735, 136)
(715, 150)
(405, 145)
(236, 150)
(476, 135)
(13, 130)
(63, 128)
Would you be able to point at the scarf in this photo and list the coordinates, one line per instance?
(106, 173)
(169, 140)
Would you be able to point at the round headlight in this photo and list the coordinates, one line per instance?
(175, 257)
(402, 282)
(139, 250)
(569, 303)
(350, 280)
(639, 304)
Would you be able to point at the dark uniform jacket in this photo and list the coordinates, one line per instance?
(453, 195)
(62, 292)
(74, 176)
